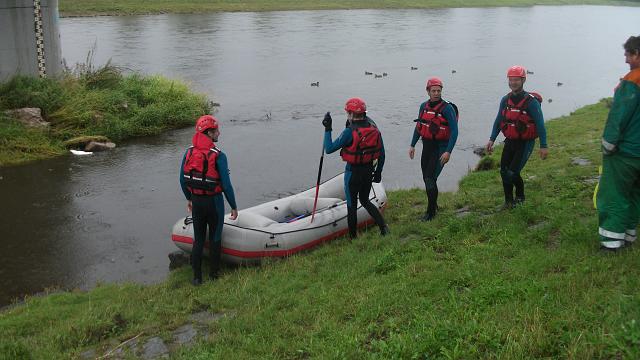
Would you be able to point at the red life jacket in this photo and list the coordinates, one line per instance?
(199, 171)
(365, 147)
(431, 124)
(516, 122)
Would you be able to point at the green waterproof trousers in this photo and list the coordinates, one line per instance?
(618, 197)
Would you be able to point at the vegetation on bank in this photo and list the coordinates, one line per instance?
(525, 283)
(90, 101)
(130, 7)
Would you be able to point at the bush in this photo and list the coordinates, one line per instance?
(90, 101)
(486, 163)
(23, 91)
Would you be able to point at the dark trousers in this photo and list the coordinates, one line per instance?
(359, 186)
(431, 168)
(514, 156)
(204, 215)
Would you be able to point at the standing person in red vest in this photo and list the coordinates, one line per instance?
(361, 146)
(520, 120)
(437, 126)
(204, 177)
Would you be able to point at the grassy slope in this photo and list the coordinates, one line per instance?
(123, 7)
(525, 283)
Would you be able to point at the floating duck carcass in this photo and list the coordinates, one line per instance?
(283, 227)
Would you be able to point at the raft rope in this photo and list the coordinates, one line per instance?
(37, 17)
(333, 223)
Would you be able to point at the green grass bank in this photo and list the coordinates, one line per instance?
(131, 7)
(525, 283)
(91, 101)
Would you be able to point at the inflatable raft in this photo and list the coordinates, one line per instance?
(283, 227)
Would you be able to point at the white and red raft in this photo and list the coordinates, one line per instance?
(283, 227)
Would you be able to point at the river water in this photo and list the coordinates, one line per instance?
(77, 221)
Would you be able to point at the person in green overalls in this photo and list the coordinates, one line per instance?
(618, 195)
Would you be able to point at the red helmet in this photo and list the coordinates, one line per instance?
(434, 81)
(356, 106)
(517, 71)
(206, 122)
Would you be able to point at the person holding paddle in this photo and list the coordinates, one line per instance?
(361, 147)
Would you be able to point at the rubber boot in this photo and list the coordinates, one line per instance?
(630, 236)
(611, 245)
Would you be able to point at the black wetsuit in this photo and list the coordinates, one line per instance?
(432, 150)
(431, 168)
(359, 188)
(516, 152)
(208, 211)
(357, 178)
(204, 214)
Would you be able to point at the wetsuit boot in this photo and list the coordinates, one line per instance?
(506, 173)
(352, 221)
(508, 196)
(216, 259)
(432, 207)
(197, 276)
(519, 185)
(196, 265)
(376, 215)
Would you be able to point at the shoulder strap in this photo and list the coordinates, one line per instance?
(454, 106)
(526, 100)
(522, 105)
(188, 154)
(423, 109)
(509, 103)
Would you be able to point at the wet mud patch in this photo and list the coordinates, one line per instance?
(553, 241)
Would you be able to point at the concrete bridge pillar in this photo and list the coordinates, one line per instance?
(29, 38)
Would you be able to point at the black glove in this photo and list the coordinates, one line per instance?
(327, 121)
(377, 177)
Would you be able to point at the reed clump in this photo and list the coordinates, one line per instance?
(88, 100)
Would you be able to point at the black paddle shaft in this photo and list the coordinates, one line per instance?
(315, 201)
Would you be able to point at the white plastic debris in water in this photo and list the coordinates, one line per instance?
(80, 152)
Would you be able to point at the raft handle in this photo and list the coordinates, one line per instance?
(270, 245)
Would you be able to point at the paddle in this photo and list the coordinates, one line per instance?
(315, 201)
